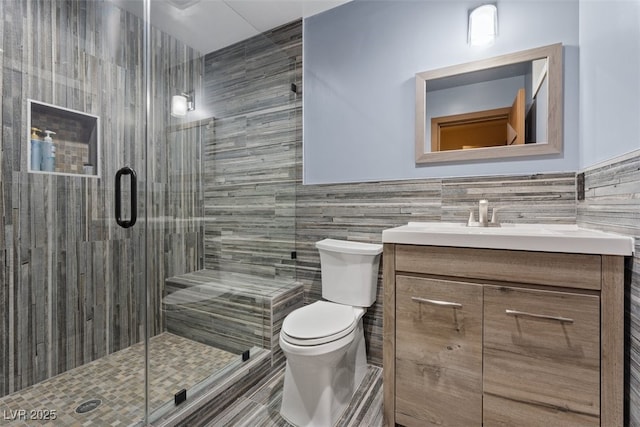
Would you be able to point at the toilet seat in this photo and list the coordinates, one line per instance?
(319, 323)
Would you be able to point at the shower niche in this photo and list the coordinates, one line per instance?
(75, 139)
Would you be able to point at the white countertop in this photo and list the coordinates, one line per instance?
(523, 237)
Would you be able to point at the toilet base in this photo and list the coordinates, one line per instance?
(317, 389)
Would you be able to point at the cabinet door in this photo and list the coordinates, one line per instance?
(541, 358)
(438, 352)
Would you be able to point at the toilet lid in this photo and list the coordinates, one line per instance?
(318, 323)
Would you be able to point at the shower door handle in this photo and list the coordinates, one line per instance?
(134, 197)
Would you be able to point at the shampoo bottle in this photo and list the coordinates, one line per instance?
(36, 150)
(48, 153)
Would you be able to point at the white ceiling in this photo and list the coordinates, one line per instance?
(209, 25)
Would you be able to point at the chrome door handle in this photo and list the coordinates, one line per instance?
(436, 302)
(537, 316)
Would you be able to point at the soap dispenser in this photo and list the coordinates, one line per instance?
(48, 153)
(36, 150)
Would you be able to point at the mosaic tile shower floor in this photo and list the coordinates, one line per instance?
(118, 381)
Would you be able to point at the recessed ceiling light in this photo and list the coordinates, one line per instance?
(182, 4)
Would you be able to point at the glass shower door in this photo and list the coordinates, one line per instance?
(222, 209)
(72, 281)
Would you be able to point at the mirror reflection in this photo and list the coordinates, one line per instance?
(489, 108)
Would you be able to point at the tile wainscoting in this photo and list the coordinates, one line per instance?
(612, 203)
(360, 212)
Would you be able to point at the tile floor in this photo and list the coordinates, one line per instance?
(261, 405)
(118, 381)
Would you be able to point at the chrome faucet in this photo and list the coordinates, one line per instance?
(483, 215)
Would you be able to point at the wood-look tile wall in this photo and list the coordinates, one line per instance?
(612, 203)
(252, 152)
(72, 281)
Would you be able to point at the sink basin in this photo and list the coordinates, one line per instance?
(526, 237)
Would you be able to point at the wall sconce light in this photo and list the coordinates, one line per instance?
(181, 104)
(483, 25)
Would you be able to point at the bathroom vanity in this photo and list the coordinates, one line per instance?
(517, 325)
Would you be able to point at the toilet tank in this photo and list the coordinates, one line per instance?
(349, 271)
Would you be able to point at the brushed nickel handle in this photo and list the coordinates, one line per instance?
(538, 316)
(436, 302)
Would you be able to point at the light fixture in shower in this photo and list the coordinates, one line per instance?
(483, 25)
(181, 104)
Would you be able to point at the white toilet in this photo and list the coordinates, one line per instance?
(324, 341)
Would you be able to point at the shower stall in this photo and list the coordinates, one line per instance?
(146, 247)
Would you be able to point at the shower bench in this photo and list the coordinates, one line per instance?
(230, 311)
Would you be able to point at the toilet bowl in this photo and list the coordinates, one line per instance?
(324, 342)
(323, 368)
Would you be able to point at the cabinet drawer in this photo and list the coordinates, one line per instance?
(541, 357)
(580, 271)
(438, 352)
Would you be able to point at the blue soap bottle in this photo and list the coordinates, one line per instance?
(36, 150)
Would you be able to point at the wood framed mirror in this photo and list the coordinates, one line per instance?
(507, 106)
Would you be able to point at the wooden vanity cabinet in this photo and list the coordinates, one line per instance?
(541, 357)
(502, 338)
(438, 352)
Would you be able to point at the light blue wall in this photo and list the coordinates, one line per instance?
(609, 79)
(360, 60)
